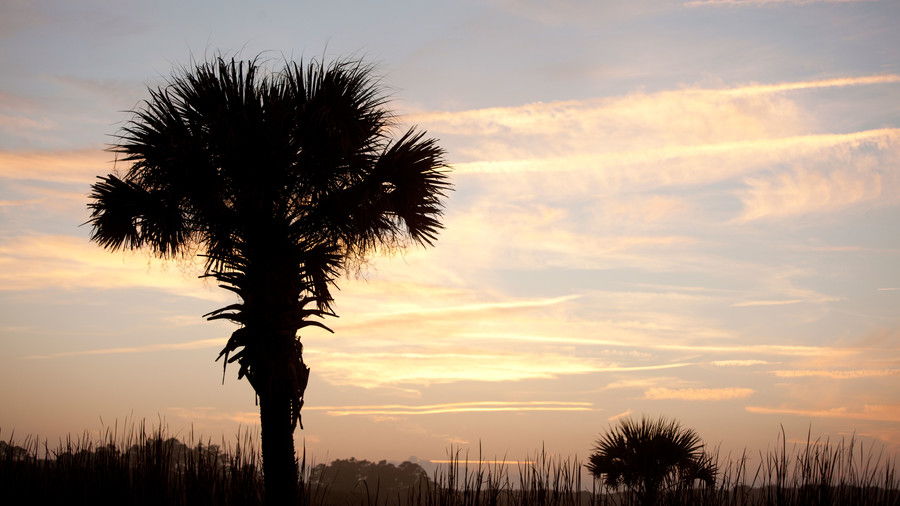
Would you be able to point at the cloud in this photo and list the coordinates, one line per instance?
(614, 163)
(757, 3)
(637, 210)
(627, 412)
(874, 412)
(755, 303)
(17, 123)
(453, 311)
(649, 112)
(453, 407)
(804, 191)
(43, 199)
(148, 348)
(840, 82)
(115, 90)
(576, 11)
(641, 382)
(38, 262)
(214, 415)
(697, 394)
(738, 363)
(405, 358)
(678, 120)
(615, 151)
(535, 235)
(836, 374)
(621, 129)
(78, 166)
(439, 365)
(762, 349)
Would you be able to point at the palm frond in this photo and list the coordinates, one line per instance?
(123, 214)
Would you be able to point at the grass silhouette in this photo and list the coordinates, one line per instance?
(139, 465)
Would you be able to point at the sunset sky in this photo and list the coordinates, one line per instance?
(662, 207)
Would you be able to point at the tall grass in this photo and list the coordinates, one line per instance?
(134, 466)
(141, 466)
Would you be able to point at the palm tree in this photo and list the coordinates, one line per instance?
(281, 180)
(644, 456)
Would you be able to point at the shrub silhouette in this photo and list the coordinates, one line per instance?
(649, 455)
(280, 180)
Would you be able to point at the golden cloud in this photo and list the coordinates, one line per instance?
(77, 166)
(214, 415)
(697, 394)
(874, 412)
(436, 365)
(453, 407)
(148, 348)
(37, 262)
(637, 342)
(836, 373)
(416, 313)
(738, 363)
(627, 412)
(803, 191)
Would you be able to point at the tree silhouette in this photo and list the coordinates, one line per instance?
(644, 456)
(280, 180)
(351, 481)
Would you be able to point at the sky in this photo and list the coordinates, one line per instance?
(662, 208)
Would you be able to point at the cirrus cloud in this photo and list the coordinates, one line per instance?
(697, 394)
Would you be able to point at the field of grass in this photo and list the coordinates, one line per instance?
(141, 466)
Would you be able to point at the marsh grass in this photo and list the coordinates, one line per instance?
(141, 466)
(131, 466)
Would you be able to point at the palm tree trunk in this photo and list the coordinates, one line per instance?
(279, 459)
(649, 494)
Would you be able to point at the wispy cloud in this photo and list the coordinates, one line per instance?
(615, 161)
(37, 262)
(453, 407)
(875, 412)
(641, 383)
(697, 394)
(437, 366)
(756, 3)
(79, 166)
(16, 124)
(836, 373)
(738, 363)
(627, 412)
(148, 348)
(550, 117)
(215, 415)
(763, 349)
(755, 303)
(417, 312)
(804, 191)
(840, 82)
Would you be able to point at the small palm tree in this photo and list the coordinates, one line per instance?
(280, 180)
(647, 455)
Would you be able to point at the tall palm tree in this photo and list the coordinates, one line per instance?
(280, 180)
(644, 456)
